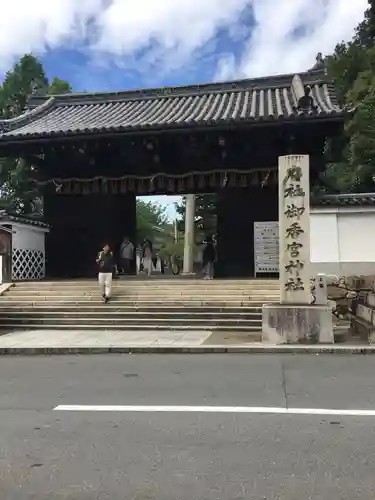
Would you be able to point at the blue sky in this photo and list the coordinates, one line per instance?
(106, 45)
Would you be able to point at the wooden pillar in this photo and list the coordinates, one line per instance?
(237, 210)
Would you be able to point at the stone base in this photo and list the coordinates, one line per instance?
(297, 324)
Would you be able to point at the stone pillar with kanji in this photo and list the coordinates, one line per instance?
(295, 319)
(294, 229)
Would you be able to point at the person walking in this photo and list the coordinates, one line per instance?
(147, 257)
(106, 268)
(208, 258)
(138, 259)
(126, 255)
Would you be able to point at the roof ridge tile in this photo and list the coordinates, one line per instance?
(7, 124)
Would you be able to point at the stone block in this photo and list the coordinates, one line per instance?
(368, 281)
(336, 293)
(297, 324)
(332, 280)
(362, 329)
(364, 313)
(370, 299)
(360, 282)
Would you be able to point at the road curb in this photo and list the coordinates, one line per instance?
(218, 349)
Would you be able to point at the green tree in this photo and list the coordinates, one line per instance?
(344, 66)
(205, 214)
(59, 86)
(151, 220)
(352, 66)
(365, 33)
(26, 78)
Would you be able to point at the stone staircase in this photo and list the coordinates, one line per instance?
(163, 304)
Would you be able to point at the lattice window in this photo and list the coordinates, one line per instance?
(27, 264)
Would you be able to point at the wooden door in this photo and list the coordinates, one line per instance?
(6, 254)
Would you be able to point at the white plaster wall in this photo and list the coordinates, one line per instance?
(26, 241)
(28, 237)
(324, 244)
(356, 234)
(343, 240)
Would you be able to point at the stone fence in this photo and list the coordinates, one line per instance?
(363, 314)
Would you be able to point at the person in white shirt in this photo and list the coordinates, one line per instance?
(127, 255)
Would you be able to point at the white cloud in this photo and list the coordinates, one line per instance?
(272, 49)
(226, 68)
(32, 26)
(169, 33)
(174, 28)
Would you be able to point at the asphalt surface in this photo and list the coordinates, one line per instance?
(46, 454)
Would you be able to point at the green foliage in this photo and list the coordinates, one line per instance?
(344, 65)
(59, 86)
(172, 249)
(26, 78)
(365, 33)
(205, 214)
(352, 66)
(18, 194)
(151, 220)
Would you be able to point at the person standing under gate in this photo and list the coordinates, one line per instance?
(106, 268)
(126, 255)
(208, 258)
(147, 256)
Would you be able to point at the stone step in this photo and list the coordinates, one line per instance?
(167, 305)
(170, 323)
(149, 296)
(139, 292)
(142, 317)
(148, 292)
(97, 302)
(156, 283)
(125, 315)
(123, 282)
(253, 334)
(110, 308)
(123, 302)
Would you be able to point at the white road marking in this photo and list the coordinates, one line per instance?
(218, 409)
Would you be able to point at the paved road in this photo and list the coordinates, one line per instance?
(46, 454)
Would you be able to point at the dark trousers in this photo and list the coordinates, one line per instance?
(126, 265)
(208, 269)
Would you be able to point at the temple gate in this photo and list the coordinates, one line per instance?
(92, 154)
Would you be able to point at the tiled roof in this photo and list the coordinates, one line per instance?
(8, 218)
(346, 200)
(246, 101)
(6, 229)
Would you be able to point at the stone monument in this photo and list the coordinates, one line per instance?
(295, 319)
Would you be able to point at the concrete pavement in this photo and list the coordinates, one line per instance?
(45, 341)
(46, 454)
(99, 338)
